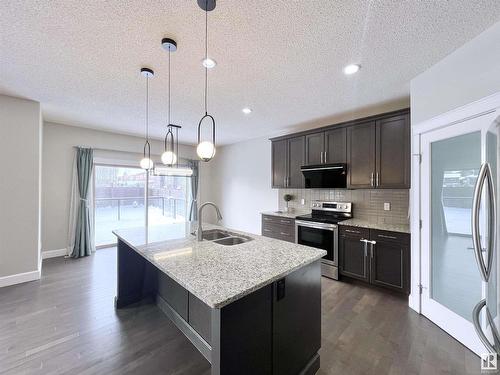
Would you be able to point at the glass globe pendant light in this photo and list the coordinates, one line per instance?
(206, 149)
(169, 156)
(146, 162)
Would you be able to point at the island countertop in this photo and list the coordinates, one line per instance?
(217, 274)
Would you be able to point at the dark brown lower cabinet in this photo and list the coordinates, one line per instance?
(381, 258)
(353, 254)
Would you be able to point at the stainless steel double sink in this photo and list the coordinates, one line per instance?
(224, 237)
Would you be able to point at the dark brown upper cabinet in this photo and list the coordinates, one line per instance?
(326, 147)
(393, 152)
(335, 146)
(279, 163)
(376, 150)
(361, 156)
(287, 157)
(315, 144)
(296, 155)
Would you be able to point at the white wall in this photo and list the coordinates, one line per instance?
(469, 73)
(241, 184)
(20, 152)
(58, 153)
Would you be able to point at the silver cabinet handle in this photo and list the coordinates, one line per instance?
(363, 240)
(483, 177)
(284, 181)
(477, 325)
(365, 246)
(285, 221)
(352, 231)
(322, 157)
(325, 159)
(390, 237)
(372, 179)
(377, 182)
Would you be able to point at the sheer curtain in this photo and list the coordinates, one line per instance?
(81, 220)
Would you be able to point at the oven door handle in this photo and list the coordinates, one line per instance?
(307, 224)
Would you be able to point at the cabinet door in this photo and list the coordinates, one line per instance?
(389, 266)
(315, 145)
(296, 156)
(279, 163)
(393, 152)
(335, 146)
(353, 257)
(361, 155)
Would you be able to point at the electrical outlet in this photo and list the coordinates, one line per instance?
(387, 206)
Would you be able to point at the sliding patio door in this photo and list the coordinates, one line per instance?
(120, 196)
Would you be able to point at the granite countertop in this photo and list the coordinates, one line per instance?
(217, 274)
(403, 228)
(290, 215)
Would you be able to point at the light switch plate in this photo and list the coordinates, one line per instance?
(387, 206)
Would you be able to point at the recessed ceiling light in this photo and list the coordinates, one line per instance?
(209, 63)
(246, 111)
(351, 69)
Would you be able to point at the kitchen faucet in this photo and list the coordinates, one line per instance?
(199, 232)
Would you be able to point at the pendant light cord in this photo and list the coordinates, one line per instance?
(206, 54)
(147, 108)
(169, 85)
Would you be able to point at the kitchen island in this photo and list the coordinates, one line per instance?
(249, 308)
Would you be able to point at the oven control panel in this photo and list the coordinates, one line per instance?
(332, 206)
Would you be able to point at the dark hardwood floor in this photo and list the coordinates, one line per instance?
(66, 324)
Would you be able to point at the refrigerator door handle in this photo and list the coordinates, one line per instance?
(477, 326)
(483, 177)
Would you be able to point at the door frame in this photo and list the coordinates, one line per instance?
(467, 112)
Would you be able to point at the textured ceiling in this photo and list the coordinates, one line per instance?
(283, 59)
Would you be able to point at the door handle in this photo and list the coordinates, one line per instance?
(477, 326)
(484, 176)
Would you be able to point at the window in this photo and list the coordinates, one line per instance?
(120, 193)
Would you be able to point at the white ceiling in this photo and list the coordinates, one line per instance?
(283, 59)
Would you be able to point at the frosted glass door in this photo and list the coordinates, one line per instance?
(455, 281)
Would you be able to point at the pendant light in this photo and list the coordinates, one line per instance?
(206, 149)
(146, 162)
(169, 156)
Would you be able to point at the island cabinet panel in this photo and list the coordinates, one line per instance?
(200, 318)
(336, 146)
(361, 156)
(315, 146)
(379, 257)
(281, 228)
(393, 152)
(174, 294)
(297, 303)
(279, 163)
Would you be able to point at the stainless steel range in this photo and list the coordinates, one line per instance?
(319, 229)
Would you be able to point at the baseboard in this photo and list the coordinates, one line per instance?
(19, 278)
(54, 253)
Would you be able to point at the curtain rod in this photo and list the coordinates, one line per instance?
(125, 152)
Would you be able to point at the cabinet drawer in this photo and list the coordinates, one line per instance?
(277, 220)
(354, 231)
(386, 236)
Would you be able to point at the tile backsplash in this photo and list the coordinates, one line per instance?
(367, 204)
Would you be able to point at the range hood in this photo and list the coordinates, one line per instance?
(325, 176)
